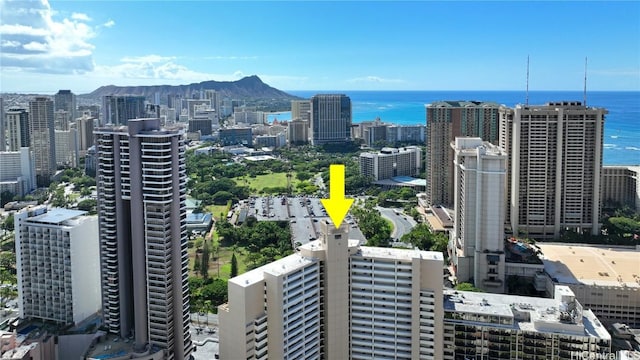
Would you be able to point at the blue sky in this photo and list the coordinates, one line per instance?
(362, 45)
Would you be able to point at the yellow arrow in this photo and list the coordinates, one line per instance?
(337, 205)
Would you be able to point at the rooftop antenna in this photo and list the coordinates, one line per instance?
(527, 98)
(584, 95)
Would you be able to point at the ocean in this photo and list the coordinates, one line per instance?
(621, 129)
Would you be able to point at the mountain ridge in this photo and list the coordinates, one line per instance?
(247, 88)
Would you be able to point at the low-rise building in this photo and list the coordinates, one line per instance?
(391, 162)
(604, 278)
(236, 136)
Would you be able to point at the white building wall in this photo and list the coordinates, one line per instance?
(85, 275)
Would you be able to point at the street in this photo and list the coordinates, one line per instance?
(402, 223)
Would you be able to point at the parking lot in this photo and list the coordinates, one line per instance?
(304, 214)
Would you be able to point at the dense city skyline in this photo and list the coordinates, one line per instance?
(377, 46)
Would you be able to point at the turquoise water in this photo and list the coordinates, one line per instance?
(622, 126)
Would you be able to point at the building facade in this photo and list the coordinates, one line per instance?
(85, 125)
(555, 168)
(335, 299)
(391, 162)
(493, 326)
(43, 140)
(58, 276)
(298, 131)
(17, 171)
(65, 100)
(119, 109)
(447, 120)
(330, 119)
(17, 128)
(67, 150)
(236, 135)
(476, 245)
(621, 187)
(141, 184)
(301, 109)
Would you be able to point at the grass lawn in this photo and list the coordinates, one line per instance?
(258, 183)
(217, 210)
(221, 265)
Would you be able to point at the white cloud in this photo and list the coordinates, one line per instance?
(109, 23)
(80, 17)
(34, 40)
(147, 59)
(374, 79)
(158, 68)
(6, 43)
(220, 57)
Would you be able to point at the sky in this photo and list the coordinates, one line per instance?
(307, 45)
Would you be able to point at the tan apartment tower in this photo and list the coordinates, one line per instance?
(141, 179)
(334, 299)
(555, 168)
(477, 240)
(445, 121)
(301, 109)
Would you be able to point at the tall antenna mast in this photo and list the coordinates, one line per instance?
(527, 98)
(584, 95)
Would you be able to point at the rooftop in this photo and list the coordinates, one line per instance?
(462, 103)
(399, 254)
(110, 347)
(402, 181)
(591, 264)
(524, 313)
(198, 218)
(57, 216)
(279, 267)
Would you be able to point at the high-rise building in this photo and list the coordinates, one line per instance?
(67, 148)
(61, 120)
(58, 275)
(194, 105)
(330, 119)
(89, 110)
(445, 121)
(3, 136)
(119, 109)
(84, 126)
(141, 183)
(201, 124)
(477, 240)
(391, 162)
(621, 186)
(301, 109)
(494, 326)
(555, 168)
(43, 140)
(214, 97)
(298, 131)
(334, 299)
(65, 100)
(17, 121)
(17, 171)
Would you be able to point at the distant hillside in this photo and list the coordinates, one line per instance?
(250, 88)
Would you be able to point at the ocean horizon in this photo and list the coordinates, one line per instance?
(621, 129)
